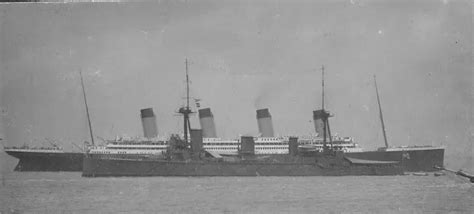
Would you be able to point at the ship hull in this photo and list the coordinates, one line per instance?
(412, 160)
(94, 167)
(47, 161)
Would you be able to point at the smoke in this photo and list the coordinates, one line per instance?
(269, 93)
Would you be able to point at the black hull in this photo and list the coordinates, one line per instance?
(48, 161)
(96, 167)
(411, 160)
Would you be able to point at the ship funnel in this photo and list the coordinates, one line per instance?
(206, 119)
(265, 124)
(318, 116)
(149, 123)
(247, 145)
(318, 123)
(196, 140)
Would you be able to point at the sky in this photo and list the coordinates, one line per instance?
(243, 55)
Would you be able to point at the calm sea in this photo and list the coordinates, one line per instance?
(46, 192)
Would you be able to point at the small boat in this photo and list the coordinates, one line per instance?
(420, 174)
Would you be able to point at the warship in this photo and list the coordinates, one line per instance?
(186, 157)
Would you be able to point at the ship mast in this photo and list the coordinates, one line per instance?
(380, 113)
(187, 84)
(186, 111)
(325, 116)
(322, 104)
(87, 108)
(322, 83)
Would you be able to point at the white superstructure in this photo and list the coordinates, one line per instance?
(131, 146)
(345, 144)
(263, 145)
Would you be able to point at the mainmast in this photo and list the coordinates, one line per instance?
(322, 83)
(324, 112)
(380, 114)
(87, 108)
(187, 84)
(325, 116)
(185, 111)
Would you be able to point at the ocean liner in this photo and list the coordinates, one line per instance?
(184, 158)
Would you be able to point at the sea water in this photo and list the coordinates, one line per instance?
(68, 192)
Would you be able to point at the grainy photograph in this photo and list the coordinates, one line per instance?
(207, 106)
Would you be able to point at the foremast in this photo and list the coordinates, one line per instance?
(186, 111)
(87, 109)
(324, 115)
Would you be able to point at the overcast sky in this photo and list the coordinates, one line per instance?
(243, 55)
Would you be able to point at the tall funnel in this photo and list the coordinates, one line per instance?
(206, 119)
(149, 123)
(265, 124)
(318, 116)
